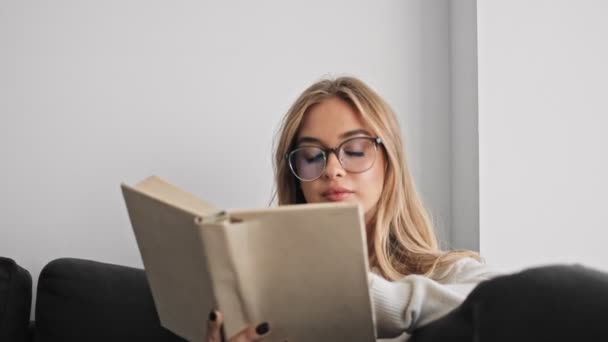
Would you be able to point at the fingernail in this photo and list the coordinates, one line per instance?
(212, 316)
(262, 328)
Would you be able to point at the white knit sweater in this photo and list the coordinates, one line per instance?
(414, 300)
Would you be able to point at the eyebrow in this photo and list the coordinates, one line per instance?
(342, 136)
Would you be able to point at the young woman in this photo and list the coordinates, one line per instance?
(340, 141)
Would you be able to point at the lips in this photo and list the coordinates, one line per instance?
(335, 194)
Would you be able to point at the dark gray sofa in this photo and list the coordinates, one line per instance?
(550, 303)
(15, 301)
(79, 300)
(84, 300)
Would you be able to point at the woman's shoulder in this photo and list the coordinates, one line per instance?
(464, 270)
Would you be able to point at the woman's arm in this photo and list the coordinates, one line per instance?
(415, 300)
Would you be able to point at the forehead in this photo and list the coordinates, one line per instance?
(327, 120)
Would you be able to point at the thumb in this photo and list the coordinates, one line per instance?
(252, 333)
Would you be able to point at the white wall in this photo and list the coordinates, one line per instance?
(96, 93)
(543, 117)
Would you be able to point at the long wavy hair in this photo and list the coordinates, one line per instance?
(400, 235)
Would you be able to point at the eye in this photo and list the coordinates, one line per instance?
(313, 158)
(355, 153)
(357, 148)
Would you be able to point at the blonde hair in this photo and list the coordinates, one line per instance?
(401, 239)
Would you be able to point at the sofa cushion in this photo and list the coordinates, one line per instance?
(83, 300)
(15, 301)
(550, 303)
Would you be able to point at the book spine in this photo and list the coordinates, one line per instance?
(223, 271)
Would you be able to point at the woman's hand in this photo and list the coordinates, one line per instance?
(250, 333)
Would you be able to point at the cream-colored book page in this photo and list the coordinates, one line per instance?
(303, 269)
(173, 255)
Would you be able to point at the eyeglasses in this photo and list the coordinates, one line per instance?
(356, 155)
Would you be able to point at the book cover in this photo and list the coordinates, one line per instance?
(302, 268)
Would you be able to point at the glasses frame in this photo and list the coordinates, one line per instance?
(336, 151)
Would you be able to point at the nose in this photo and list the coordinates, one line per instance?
(333, 168)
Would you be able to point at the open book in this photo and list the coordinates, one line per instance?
(302, 268)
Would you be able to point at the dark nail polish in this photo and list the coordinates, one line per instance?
(212, 316)
(262, 328)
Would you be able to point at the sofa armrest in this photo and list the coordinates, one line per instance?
(549, 303)
(15, 301)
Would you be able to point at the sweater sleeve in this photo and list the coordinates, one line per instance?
(415, 300)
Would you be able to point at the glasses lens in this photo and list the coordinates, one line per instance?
(358, 155)
(307, 163)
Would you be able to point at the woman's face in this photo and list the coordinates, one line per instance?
(327, 125)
